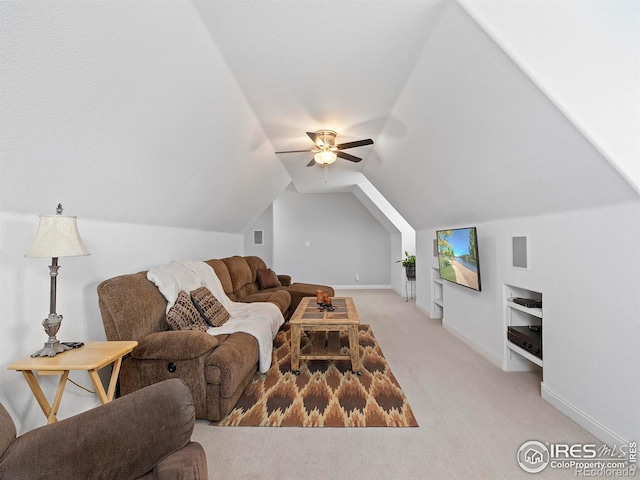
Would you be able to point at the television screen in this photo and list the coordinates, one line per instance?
(458, 256)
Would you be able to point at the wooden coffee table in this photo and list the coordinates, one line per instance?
(325, 327)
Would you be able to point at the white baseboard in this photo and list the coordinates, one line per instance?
(362, 287)
(519, 365)
(423, 309)
(591, 425)
(594, 427)
(488, 354)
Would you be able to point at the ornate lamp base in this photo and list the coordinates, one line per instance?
(51, 349)
(52, 346)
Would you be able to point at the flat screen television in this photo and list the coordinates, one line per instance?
(458, 256)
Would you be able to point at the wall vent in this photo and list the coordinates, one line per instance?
(258, 237)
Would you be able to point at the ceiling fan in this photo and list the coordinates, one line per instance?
(326, 151)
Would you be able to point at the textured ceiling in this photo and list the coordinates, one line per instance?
(308, 66)
(459, 127)
(483, 141)
(168, 112)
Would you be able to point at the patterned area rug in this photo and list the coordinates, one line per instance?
(326, 393)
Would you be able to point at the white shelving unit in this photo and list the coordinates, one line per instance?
(515, 357)
(437, 301)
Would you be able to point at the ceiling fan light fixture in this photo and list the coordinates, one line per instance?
(325, 138)
(327, 151)
(326, 157)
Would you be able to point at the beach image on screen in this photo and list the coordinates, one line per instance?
(458, 256)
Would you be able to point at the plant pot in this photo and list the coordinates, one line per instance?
(410, 271)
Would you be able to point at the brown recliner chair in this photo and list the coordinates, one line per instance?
(144, 435)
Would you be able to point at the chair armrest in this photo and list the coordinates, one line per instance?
(123, 439)
(174, 345)
(189, 462)
(285, 280)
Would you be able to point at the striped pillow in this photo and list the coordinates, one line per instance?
(184, 316)
(209, 307)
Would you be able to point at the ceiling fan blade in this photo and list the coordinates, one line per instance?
(347, 156)
(357, 143)
(311, 163)
(313, 137)
(295, 151)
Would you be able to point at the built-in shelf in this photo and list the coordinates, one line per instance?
(515, 315)
(437, 294)
(536, 312)
(523, 353)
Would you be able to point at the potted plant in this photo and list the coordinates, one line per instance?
(409, 264)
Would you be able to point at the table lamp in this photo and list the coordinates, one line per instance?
(57, 237)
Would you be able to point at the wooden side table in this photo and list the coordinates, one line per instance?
(92, 357)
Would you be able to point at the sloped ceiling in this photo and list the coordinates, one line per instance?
(168, 112)
(308, 66)
(594, 78)
(126, 111)
(482, 141)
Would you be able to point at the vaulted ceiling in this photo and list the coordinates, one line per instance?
(169, 112)
(335, 64)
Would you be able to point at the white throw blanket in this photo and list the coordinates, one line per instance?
(260, 319)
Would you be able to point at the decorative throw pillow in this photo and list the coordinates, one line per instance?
(184, 315)
(209, 307)
(267, 278)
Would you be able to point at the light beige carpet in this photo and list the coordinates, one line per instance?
(473, 416)
(325, 393)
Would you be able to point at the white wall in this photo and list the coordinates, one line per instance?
(397, 271)
(403, 236)
(115, 248)
(398, 244)
(344, 237)
(585, 263)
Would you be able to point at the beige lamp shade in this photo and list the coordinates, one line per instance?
(57, 237)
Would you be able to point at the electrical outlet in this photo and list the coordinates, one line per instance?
(357, 277)
(307, 243)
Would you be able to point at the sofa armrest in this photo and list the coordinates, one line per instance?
(174, 345)
(189, 462)
(123, 439)
(228, 364)
(285, 280)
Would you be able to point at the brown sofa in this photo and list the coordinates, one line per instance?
(113, 441)
(238, 276)
(216, 369)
